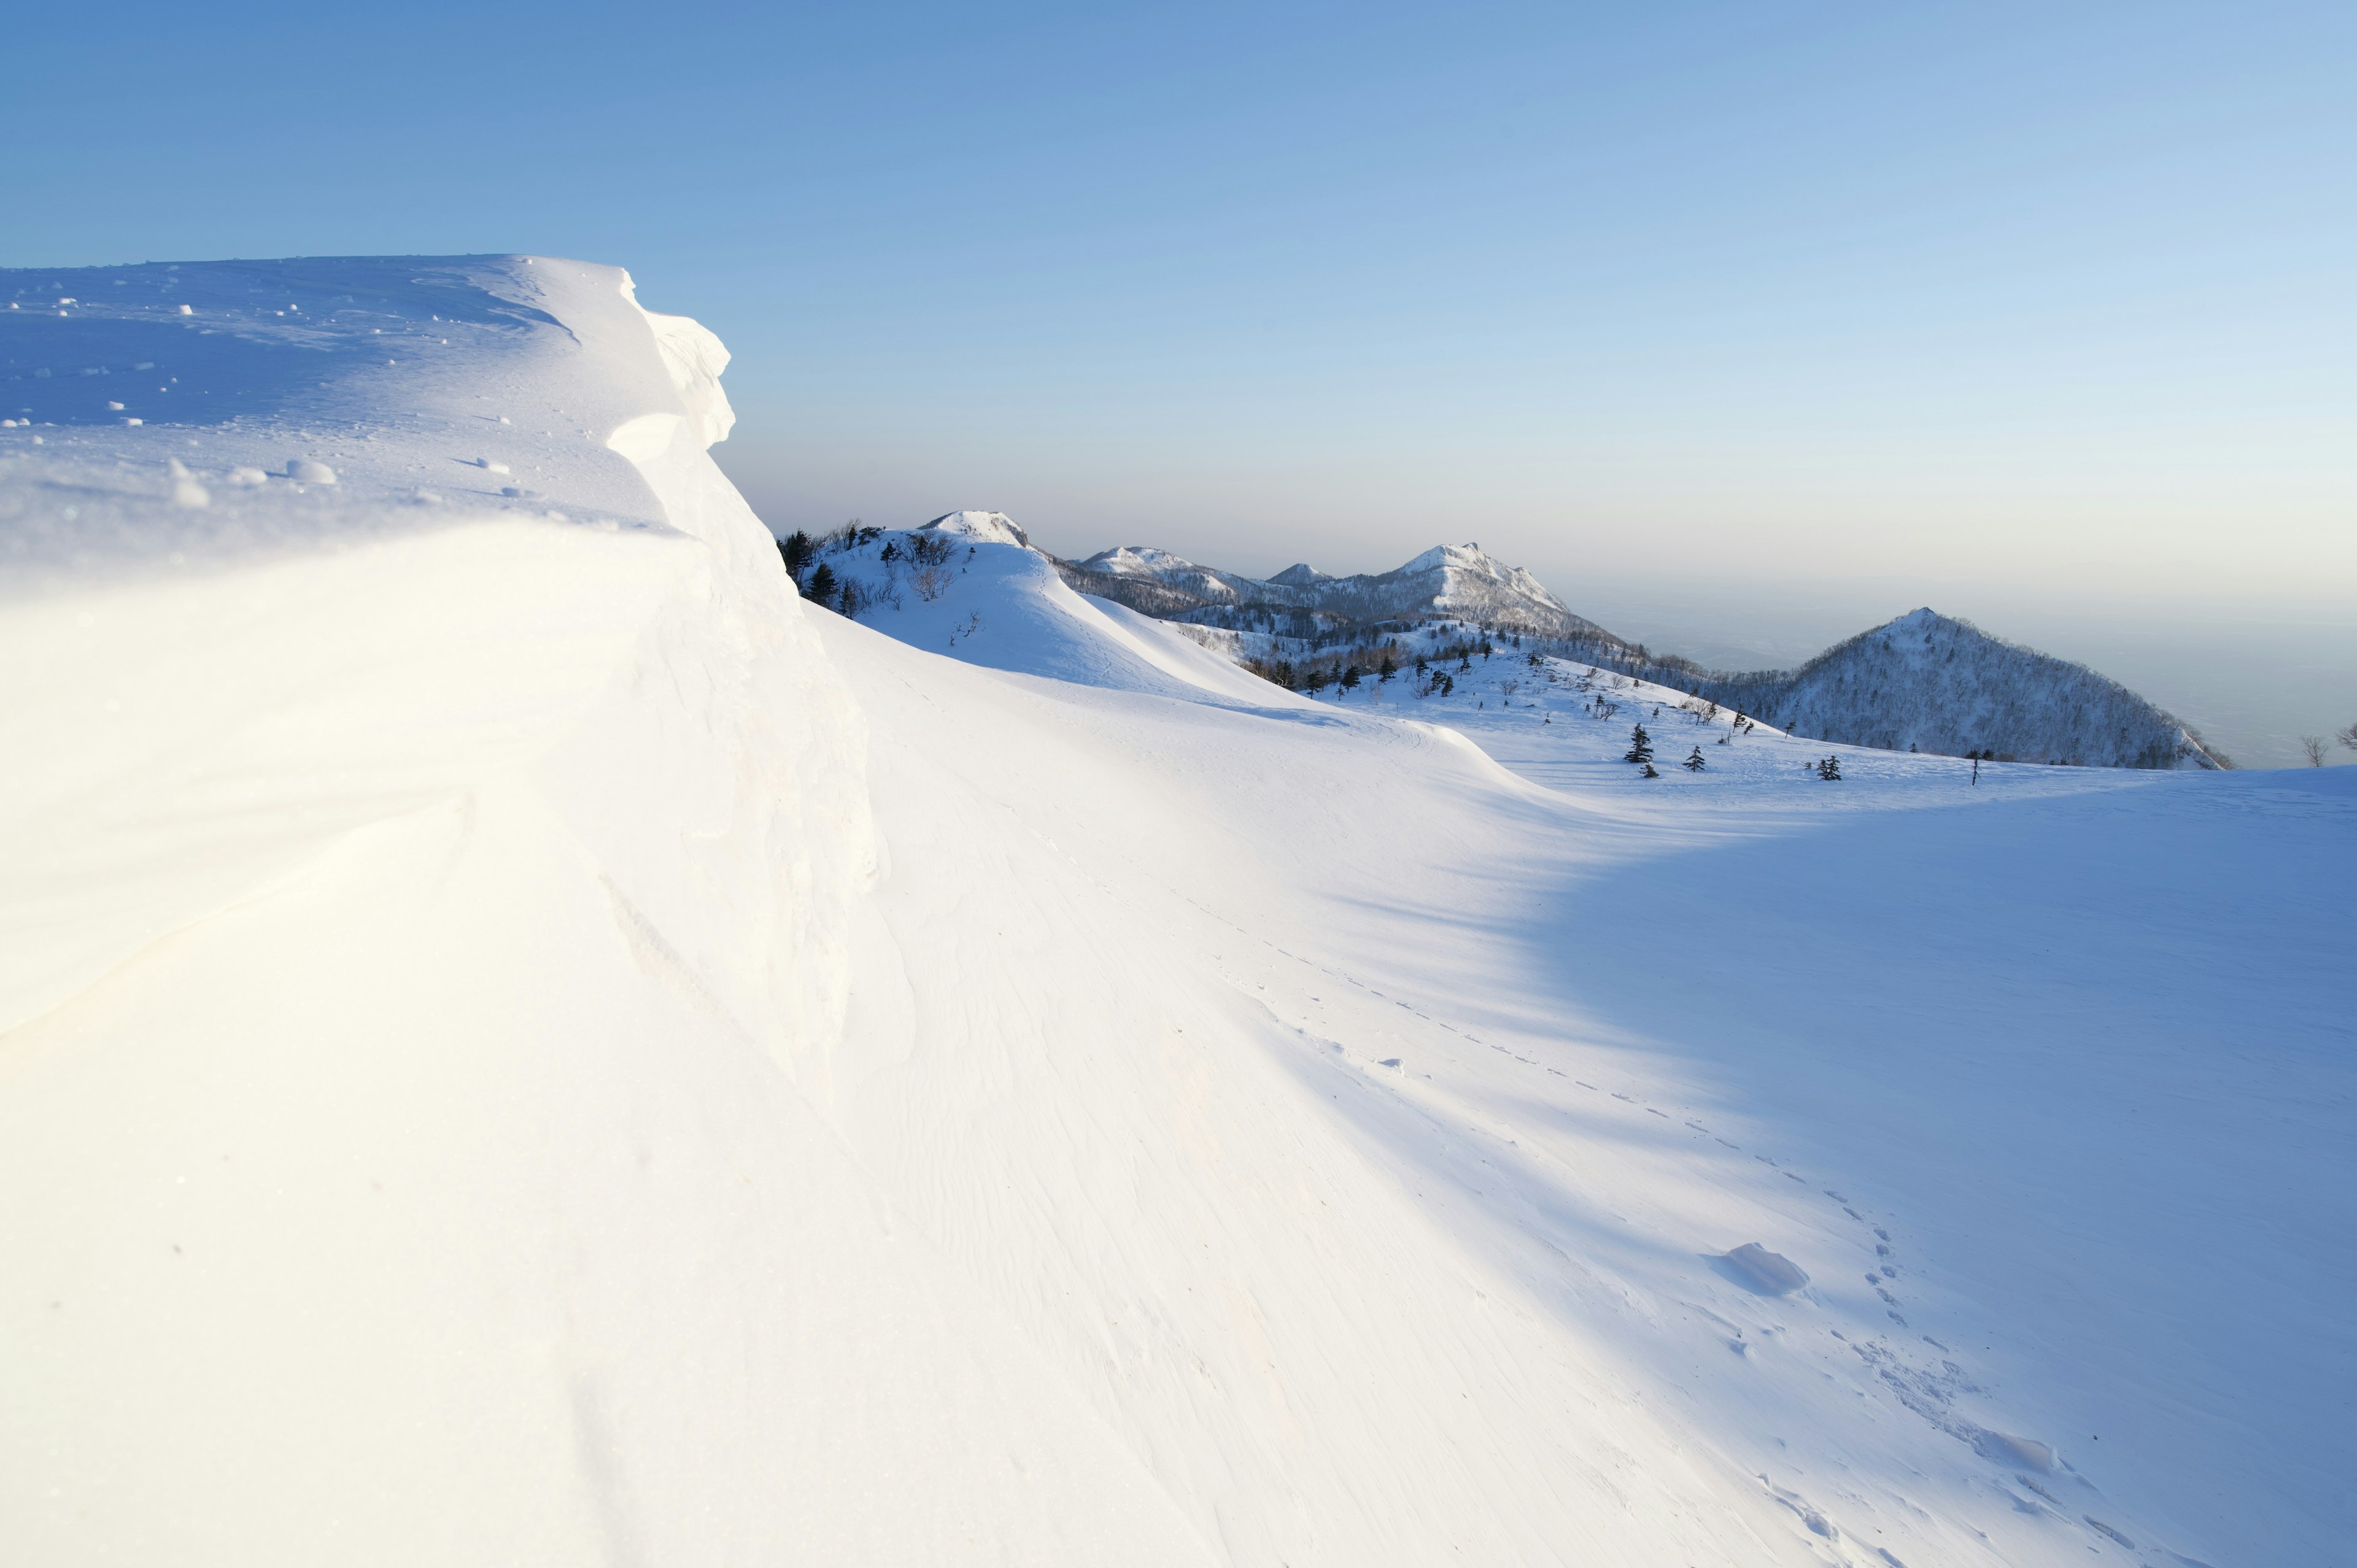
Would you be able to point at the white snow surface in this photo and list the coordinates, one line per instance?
(527, 1043)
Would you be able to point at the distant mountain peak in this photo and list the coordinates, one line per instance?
(1463, 557)
(1450, 581)
(1938, 684)
(1137, 561)
(986, 527)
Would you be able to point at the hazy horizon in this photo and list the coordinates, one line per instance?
(2250, 673)
(2022, 303)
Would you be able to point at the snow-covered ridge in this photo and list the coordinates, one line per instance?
(427, 801)
(322, 423)
(1460, 580)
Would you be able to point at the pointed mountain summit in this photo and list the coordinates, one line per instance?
(982, 527)
(1931, 682)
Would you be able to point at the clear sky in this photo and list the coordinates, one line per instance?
(1974, 300)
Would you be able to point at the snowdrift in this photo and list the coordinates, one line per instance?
(526, 1042)
(417, 886)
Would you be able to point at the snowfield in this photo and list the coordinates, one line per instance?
(526, 1042)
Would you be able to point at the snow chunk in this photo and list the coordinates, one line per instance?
(309, 471)
(2007, 1449)
(1769, 1274)
(186, 491)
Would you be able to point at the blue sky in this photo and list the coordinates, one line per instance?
(2001, 298)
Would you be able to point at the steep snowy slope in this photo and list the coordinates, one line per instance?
(1927, 682)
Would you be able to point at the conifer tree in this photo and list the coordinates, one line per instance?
(1640, 748)
(797, 548)
(1829, 768)
(1695, 763)
(1350, 678)
(820, 588)
(1649, 772)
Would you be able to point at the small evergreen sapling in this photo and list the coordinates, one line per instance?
(1829, 768)
(1695, 763)
(1649, 772)
(1640, 748)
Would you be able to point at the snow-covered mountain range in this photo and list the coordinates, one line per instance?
(522, 1041)
(1923, 682)
(1458, 581)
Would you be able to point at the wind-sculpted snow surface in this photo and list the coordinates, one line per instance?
(415, 888)
(1878, 1202)
(527, 1043)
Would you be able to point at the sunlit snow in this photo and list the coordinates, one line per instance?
(526, 1042)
